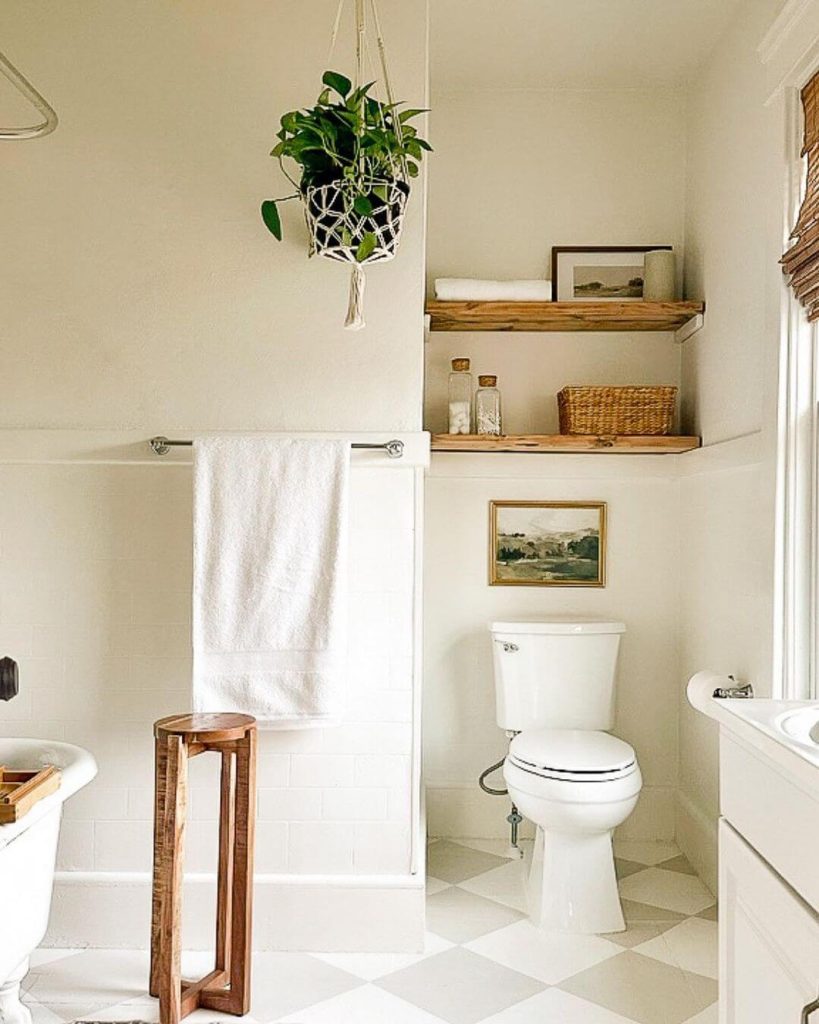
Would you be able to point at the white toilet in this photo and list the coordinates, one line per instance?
(554, 683)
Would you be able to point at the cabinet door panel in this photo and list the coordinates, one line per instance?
(769, 940)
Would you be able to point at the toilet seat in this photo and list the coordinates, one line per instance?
(572, 755)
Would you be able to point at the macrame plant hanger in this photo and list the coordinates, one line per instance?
(328, 227)
(26, 89)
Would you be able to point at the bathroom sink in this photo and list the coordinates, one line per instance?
(801, 725)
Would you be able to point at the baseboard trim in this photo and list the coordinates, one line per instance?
(462, 811)
(315, 913)
(697, 838)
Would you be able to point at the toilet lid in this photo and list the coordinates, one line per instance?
(572, 753)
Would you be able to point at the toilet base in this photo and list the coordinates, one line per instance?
(572, 884)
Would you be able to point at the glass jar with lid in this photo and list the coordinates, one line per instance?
(488, 406)
(460, 398)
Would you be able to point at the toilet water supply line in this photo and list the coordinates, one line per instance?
(514, 817)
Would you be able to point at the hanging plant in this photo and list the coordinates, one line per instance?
(357, 156)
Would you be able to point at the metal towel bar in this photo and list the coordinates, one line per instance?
(394, 449)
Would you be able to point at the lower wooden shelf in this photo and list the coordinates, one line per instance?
(566, 443)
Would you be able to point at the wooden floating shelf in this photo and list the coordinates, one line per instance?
(565, 316)
(566, 443)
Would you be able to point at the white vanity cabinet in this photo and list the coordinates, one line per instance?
(769, 880)
(769, 941)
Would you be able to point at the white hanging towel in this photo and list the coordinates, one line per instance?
(270, 578)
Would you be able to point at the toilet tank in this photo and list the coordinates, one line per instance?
(556, 673)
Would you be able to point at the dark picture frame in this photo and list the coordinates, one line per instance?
(608, 250)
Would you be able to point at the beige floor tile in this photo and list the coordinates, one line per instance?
(623, 868)
(548, 956)
(365, 1005)
(644, 990)
(452, 862)
(670, 890)
(461, 916)
(460, 986)
(691, 945)
(556, 1007)
(436, 885)
(680, 864)
(640, 932)
(506, 884)
(709, 1016)
(375, 965)
(644, 913)
(643, 851)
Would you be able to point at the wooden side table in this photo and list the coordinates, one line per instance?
(227, 986)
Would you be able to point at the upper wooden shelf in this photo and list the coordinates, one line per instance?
(681, 317)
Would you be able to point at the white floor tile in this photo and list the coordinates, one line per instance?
(41, 1014)
(365, 1005)
(41, 957)
(691, 945)
(556, 1007)
(645, 852)
(436, 885)
(375, 965)
(671, 890)
(506, 884)
(98, 976)
(548, 956)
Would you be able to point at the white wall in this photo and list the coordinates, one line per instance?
(518, 171)
(515, 172)
(734, 234)
(141, 294)
(460, 733)
(143, 289)
(95, 575)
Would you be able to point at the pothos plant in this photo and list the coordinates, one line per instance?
(353, 142)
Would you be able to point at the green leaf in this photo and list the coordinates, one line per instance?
(289, 121)
(324, 98)
(270, 215)
(340, 83)
(381, 192)
(412, 169)
(366, 247)
(277, 150)
(405, 115)
(346, 237)
(362, 205)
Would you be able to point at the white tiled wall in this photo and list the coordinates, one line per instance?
(95, 576)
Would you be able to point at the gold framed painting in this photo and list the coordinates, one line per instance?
(547, 543)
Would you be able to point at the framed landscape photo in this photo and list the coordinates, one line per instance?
(547, 543)
(599, 273)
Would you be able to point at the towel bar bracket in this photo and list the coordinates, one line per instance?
(395, 449)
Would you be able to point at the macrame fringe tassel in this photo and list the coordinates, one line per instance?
(355, 309)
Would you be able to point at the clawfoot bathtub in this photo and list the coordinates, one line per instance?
(27, 853)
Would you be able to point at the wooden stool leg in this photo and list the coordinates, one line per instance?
(240, 950)
(160, 771)
(171, 875)
(227, 821)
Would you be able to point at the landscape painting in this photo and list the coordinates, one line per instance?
(547, 543)
(623, 282)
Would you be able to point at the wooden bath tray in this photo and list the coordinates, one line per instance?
(21, 790)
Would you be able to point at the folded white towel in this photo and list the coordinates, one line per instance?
(269, 584)
(466, 289)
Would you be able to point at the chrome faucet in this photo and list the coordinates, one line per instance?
(744, 692)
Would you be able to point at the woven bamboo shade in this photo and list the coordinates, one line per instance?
(801, 261)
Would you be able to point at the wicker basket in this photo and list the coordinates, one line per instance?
(616, 411)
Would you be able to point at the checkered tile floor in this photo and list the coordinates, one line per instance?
(483, 963)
